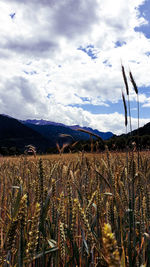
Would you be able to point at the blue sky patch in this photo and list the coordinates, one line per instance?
(12, 15)
(106, 62)
(119, 44)
(144, 12)
(114, 107)
(49, 95)
(30, 72)
(89, 50)
(147, 53)
(85, 99)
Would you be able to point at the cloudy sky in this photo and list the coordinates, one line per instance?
(60, 60)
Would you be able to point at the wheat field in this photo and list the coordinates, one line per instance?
(75, 210)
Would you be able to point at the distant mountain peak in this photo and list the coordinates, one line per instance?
(43, 122)
(103, 135)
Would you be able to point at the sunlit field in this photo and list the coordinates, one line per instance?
(75, 210)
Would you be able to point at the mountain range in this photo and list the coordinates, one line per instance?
(51, 129)
(16, 135)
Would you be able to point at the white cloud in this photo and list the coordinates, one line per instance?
(44, 74)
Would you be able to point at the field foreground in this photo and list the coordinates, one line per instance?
(75, 210)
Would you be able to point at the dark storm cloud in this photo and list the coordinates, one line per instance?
(66, 17)
(18, 88)
(31, 46)
(19, 98)
(72, 18)
(46, 22)
(40, 2)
